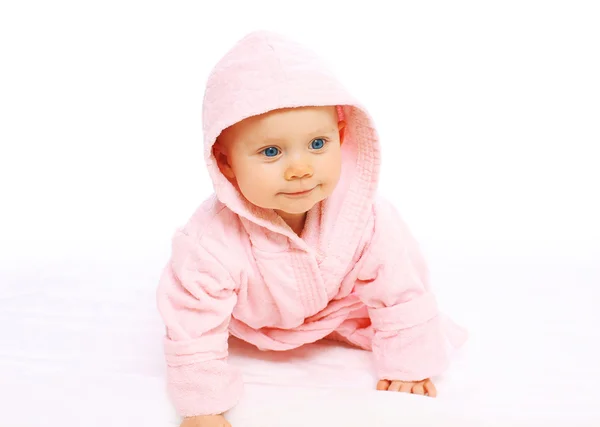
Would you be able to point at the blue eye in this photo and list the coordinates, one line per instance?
(317, 144)
(271, 151)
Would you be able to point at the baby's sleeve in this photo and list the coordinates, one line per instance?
(196, 296)
(409, 342)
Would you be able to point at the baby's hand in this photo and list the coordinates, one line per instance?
(205, 421)
(424, 387)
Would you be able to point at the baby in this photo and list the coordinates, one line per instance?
(294, 246)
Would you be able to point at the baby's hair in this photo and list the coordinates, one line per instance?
(340, 112)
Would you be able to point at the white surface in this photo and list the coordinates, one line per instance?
(81, 346)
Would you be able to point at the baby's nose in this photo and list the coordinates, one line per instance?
(298, 171)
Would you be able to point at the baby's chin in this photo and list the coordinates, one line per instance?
(297, 207)
(294, 208)
(291, 206)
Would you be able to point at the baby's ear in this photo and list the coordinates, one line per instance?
(342, 130)
(222, 160)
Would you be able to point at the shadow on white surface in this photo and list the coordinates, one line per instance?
(81, 345)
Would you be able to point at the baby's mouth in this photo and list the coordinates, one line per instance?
(299, 193)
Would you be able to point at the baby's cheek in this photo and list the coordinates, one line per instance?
(334, 167)
(258, 188)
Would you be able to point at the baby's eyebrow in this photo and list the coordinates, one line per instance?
(312, 134)
(269, 141)
(324, 130)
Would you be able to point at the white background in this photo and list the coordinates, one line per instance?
(488, 112)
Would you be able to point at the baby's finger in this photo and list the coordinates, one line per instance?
(383, 385)
(430, 389)
(418, 389)
(395, 386)
(406, 387)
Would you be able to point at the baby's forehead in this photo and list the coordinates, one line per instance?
(286, 121)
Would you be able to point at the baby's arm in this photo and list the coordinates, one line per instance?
(409, 345)
(196, 296)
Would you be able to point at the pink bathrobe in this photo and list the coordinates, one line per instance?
(355, 274)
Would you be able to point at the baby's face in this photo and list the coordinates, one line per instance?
(287, 160)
